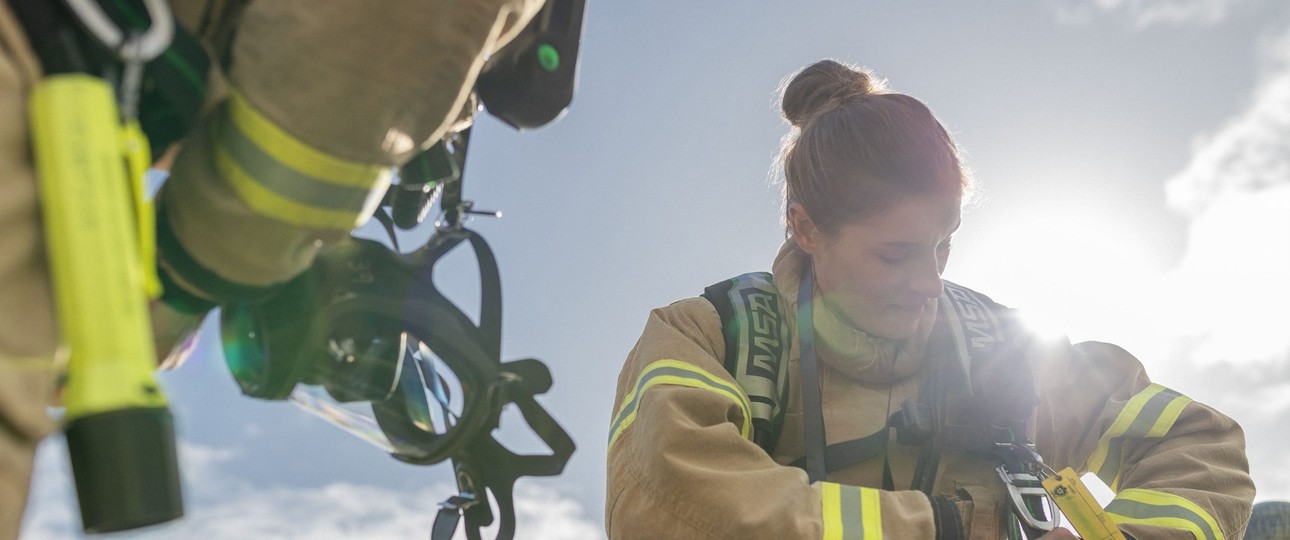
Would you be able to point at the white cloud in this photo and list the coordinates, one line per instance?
(1250, 153)
(543, 513)
(1227, 296)
(223, 507)
(1144, 13)
(1219, 316)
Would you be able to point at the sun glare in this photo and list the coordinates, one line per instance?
(1069, 274)
(1098, 277)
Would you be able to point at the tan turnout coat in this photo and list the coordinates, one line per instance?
(681, 466)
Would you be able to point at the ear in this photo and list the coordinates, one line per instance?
(809, 237)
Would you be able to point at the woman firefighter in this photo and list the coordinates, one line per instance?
(915, 406)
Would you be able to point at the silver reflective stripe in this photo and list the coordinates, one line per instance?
(852, 514)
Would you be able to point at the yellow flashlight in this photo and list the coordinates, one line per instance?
(120, 434)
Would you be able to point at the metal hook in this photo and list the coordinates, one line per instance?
(150, 44)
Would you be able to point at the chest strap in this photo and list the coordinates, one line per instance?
(841, 455)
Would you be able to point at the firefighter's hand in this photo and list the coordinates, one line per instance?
(1059, 534)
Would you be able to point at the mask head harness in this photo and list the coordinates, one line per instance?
(375, 313)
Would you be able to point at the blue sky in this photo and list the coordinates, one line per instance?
(1134, 159)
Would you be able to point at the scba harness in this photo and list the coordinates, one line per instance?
(976, 397)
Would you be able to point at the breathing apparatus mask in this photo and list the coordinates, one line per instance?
(366, 327)
(365, 339)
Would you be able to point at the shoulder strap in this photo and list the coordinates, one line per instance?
(978, 383)
(758, 340)
(993, 377)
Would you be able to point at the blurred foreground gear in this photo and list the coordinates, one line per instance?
(1270, 521)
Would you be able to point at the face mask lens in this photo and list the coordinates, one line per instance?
(243, 343)
(414, 422)
(441, 389)
(421, 417)
(363, 360)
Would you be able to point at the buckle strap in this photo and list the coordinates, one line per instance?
(450, 510)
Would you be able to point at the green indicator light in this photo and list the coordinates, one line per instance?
(548, 57)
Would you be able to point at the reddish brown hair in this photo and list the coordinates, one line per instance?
(857, 147)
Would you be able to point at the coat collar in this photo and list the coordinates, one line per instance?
(848, 350)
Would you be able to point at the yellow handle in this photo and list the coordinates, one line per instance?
(1080, 508)
(91, 237)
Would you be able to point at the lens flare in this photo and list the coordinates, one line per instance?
(243, 349)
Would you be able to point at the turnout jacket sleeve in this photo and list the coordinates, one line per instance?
(681, 463)
(315, 105)
(1178, 467)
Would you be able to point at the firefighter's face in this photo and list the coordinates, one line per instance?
(881, 274)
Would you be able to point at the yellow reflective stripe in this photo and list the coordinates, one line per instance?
(295, 153)
(280, 176)
(1160, 509)
(832, 511)
(1167, 418)
(850, 512)
(677, 373)
(871, 509)
(268, 203)
(1148, 415)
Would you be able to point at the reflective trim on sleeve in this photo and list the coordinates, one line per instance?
(850, 512)
(1148, 415)
(296, 154)
(280, 176)
(680, 374)
(1160, 509)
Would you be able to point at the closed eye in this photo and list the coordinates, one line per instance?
(894, 255)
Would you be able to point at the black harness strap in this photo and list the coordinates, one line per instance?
(844, 454)
(943, 357)
(174, 83)
(56, 40)
(812, 407)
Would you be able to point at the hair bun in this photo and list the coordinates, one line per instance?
(824, 86)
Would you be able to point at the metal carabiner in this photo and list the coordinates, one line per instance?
(150, 44)
(1027, 483)
(1023, 485)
